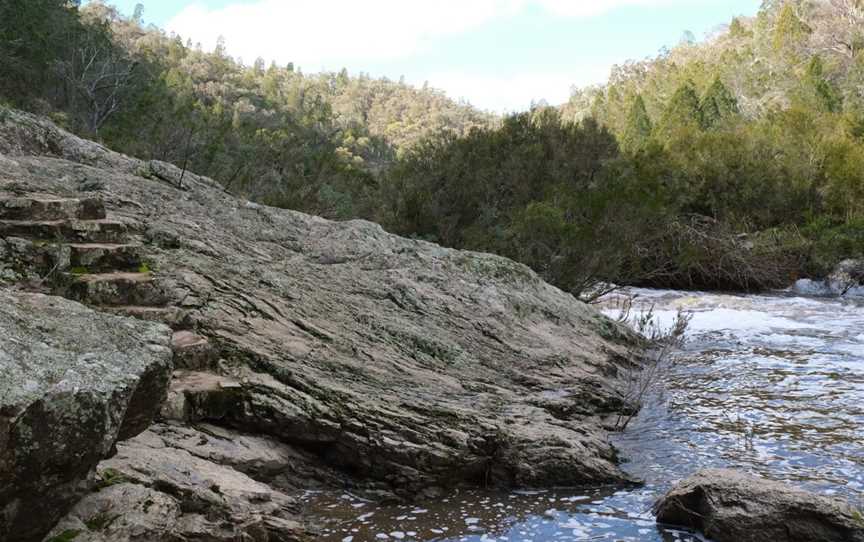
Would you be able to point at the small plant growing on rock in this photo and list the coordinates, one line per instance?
(101, 521)
(110, 477)
(66, 536)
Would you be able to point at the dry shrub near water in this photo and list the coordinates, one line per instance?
(698, 252)
(652, 370)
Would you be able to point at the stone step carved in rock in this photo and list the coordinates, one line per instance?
(193, 352)
(114, 289)
(48, 208)
(80, 231)
(99, 257)
(196, 395)
(174, 317)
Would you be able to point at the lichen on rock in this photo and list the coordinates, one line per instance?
(69, 387)
(399, 363)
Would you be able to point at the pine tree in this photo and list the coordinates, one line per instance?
(737, 29)
(638, 129)
(717, 104)
(789, 31)
(683, 108)
(826, 95)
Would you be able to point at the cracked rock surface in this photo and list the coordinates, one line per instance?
(73, 382)
(398, 363)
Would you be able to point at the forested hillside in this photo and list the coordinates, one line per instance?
(732, 163)
(312, 142)
(761, 125)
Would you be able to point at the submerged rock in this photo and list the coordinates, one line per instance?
(73, 381)
(729, 506)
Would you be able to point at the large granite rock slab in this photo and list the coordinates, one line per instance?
(72, 381)
(729, 506)
(397, 361)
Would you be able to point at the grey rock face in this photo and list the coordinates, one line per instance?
(73, 381)
(156, 491)
(403, 363)
(729, 506)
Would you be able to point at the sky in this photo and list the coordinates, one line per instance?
(499, 55)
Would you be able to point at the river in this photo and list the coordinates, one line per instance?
(771, 384)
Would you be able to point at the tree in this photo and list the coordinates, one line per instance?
(33, 34)
(717, 105)
(683, 109)
(820, 88)
(737, 29)
(790, 32)
(639, 125)
(97, 74)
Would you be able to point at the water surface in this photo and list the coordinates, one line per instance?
(770, 384)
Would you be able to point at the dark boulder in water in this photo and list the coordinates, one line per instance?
(729, 506)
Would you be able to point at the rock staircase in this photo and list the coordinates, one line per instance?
(79, 252)
(83, 254)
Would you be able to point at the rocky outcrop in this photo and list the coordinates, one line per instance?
(728, 506)
(848, 276)
(398, 363)
(73, 382)
(847, 279)
(160, 486)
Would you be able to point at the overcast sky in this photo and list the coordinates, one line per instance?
(497, 54)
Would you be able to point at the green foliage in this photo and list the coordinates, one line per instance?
(33, 35)
(826, 95)
(66, 536)
(776, 142)
(683, 110)
(717, 105)
(737, 29)
(832, 241)
(639, 126)
(774, 146)
(556, 196)
(789, 30)
(315, 143)
(101, 521)
(110, 477)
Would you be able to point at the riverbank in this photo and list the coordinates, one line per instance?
(769, 384)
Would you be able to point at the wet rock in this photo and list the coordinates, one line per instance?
(729, 506)
(847, 279)
(73, 381)
(847, 276)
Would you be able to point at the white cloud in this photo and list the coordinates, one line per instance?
(331, 34)
(505, 92)
(317, 33)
